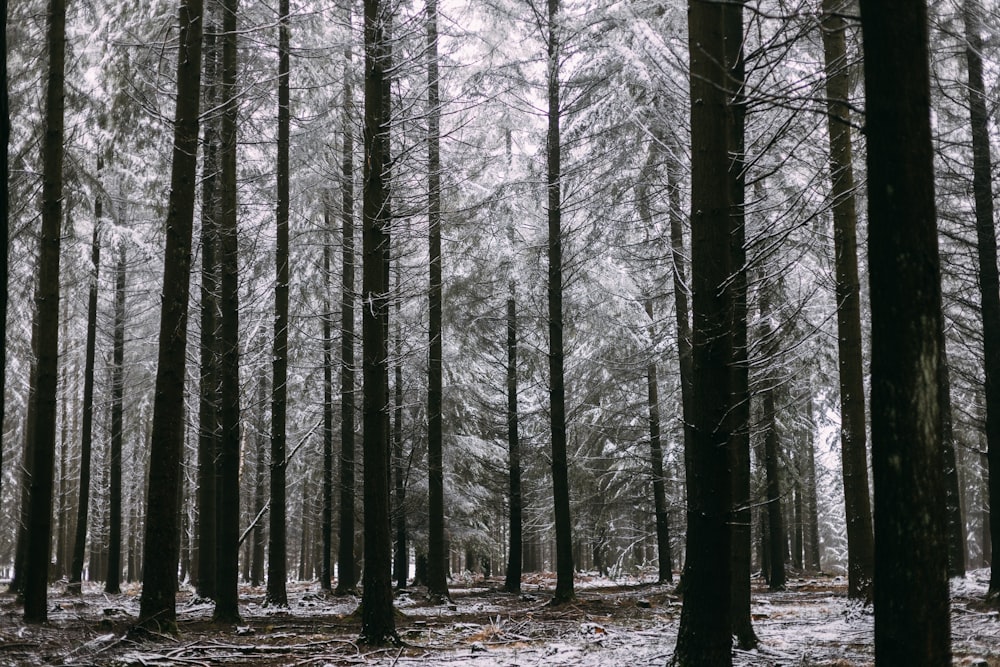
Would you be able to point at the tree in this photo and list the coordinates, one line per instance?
(512, 582)
(437, 584)
(346, 575)
(777, 544)
(326, 548)
(989, 281)
(739, 439)
(112, 582)
(860, 550)
(157, 610)
(704, 636)
(557, 387)
(665, 561)
(4, 218)
(911, 595)
(86, 439)
(276, 572)
(208, 404)
(47, 304)
(227, 565)
(378, 624)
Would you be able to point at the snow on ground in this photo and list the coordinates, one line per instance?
(631, 623)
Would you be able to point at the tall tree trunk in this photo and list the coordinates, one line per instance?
(739, 440)
(911, 569)
(4, 221)
(157, 609)
(664, 557)
(112, 583)
(44, 431)
(208, 404)
(512, 582)
(437, 584)
(557, 387)
(346, 574)
(705, 633)
(378, 624)
(665, 560)
(777, 544)
(27, 461)
(86, 436)
(952, 498)
(326, 549)
(276, 570)
(228, 547)
(989, 282)
(260, 487)
(401, 561)
(860, 553)
(812, 555)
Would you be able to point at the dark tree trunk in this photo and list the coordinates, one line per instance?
(775, 522)
(157, 609)
(208, 404)
(44, 431)
(437, 583)
(664, 557)
(812, 556)
(400, 565)
(705, 633)
(557, 387)
(228, 516)
(378, 623)
(27, 461)
(346, 574)
(797, 506)
(512, 582)
(276, 561)
(665, 560)
(860, 550)
(112, 582)
(952, 499)
(989, 282)
(739, 439)
(86, 436)
(911, 569)
(4, 220)
(326, 549)
(260, 488)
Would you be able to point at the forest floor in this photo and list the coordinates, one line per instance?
(613, 622)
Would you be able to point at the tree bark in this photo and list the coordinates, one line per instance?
(401, 564)
(989, 282)
(112, 583)
(208, 403)
(44, 431)
(860, 553)
(346, 574)
(515, 555)
(86, 436)
(326, 549)
(260, 488)
(378, 623)
(705, 633)
(437, 583)
(277, 550)
(665, 561)
(739, 440)
(911, 598)
(228, 547)
(157, 609)
(557, 388)
(4, 220)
